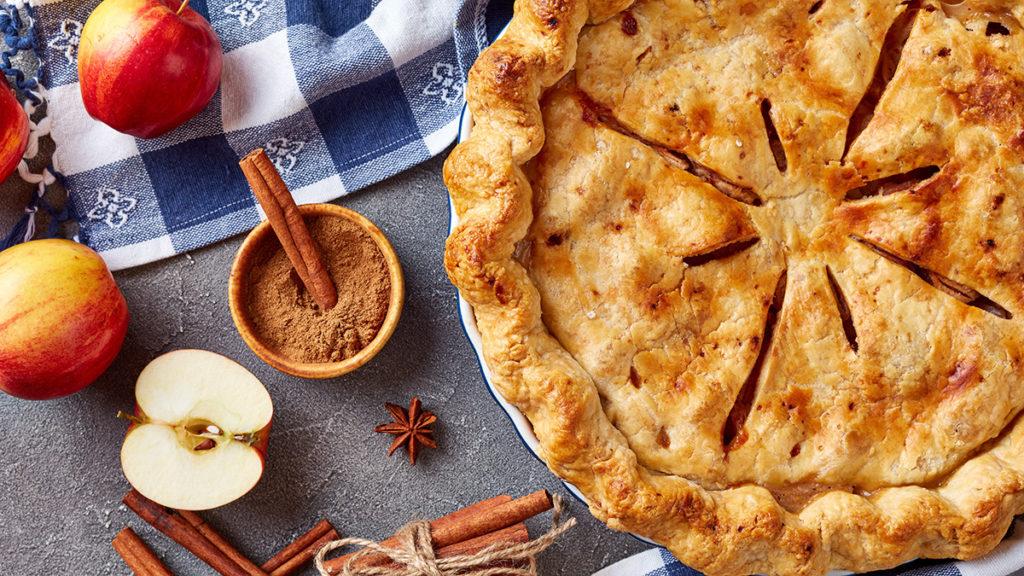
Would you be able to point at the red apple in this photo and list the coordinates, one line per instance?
(13, 131)
(200, 431)
(62, 318)
(147, 66)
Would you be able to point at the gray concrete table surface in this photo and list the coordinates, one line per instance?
(60, 475)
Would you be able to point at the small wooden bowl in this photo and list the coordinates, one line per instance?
(238, 298)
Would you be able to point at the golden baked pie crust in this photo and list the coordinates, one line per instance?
(851, 451)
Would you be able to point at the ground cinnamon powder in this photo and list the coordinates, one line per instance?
(287, 319)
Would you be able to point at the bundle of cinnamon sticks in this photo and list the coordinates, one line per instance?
(469, 530)
(465, 531)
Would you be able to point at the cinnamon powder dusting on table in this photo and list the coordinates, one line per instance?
(285, 316)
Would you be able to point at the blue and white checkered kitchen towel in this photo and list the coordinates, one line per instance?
(1007, 559)
(341, 94)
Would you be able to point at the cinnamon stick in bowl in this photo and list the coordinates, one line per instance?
(293, 330)
(286, 220)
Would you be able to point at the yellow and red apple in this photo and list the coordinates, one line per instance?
(147, 66)
(62, 318)
(13, 131)
(200, 431)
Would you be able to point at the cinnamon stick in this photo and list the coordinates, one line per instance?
(298, 545)
(177, 529)
(479, 521)
(515, 534)
(305, 555)
(286, 220)
(493, 519)
(137, 556)
(223, 545)
(462, 514)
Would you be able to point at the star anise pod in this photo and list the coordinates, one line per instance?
(411, 428)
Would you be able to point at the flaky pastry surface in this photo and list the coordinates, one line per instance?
(754, 272)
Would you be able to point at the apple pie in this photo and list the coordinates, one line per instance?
(754, 271)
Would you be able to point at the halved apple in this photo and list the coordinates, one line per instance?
(199, 434)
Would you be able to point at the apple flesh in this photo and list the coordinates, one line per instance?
(62, 318)
(147, 66)
(13, 131)
(200, 431)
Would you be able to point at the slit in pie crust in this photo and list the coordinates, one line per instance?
(755, 270)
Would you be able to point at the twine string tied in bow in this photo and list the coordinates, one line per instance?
(414, 555)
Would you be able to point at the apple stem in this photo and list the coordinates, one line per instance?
(129, 417)
(182, 7)
(249, 439)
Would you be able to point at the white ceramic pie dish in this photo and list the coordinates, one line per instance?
(1006, 560)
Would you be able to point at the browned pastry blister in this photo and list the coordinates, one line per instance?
(755, 271)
